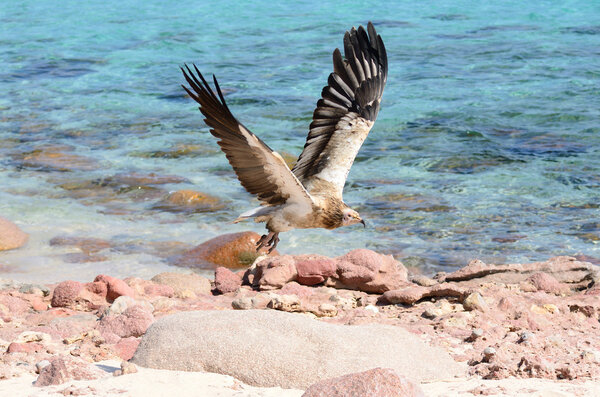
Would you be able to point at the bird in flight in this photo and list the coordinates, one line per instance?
(310, 194)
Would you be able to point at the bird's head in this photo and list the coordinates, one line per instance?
(351, 217)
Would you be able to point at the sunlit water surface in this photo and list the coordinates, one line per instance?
(487, 144)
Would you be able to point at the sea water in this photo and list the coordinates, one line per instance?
(487, 144)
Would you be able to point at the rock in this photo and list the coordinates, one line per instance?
(31, 347)
(134, 321)
(377, 382)
(55, 159)
(66, 293)
(368, 271)
(234, 250)
(414, 293)
(286, 303)
(475, 302)
(11, 236)
(422, 280)
(226, 280)
(545, 282)
(326, 310)
(115, 287)
(242, 303)
(33, 336)
(128, 368)
(548, 308)
(406, 296)
(314, 269)
(123, 303)
(562, 268)
(475, 334)
(182, 283)
(126, 347)
(293, 288)
(189, 201)
(64, 368)
(154, 290)
(440, 309)
(489, 353)
(41, 364)
(273, 272)
(263, 354)
(87, 245)
(34, 289)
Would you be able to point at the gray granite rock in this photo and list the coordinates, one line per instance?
(270, 348)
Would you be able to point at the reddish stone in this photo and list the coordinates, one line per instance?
(11, 236)
(38, 304)
(126, 347)
(159, 290)
(545, 282)
(314, 269)
(226, 280)
(31, 347)
(66, 293)
(115, 287)
(99, 288)
(377, 382)
(134, 321)
(406, 296)
(234, 250)
(64, 368)
(293, 288)
(368, 271)
(273, 273)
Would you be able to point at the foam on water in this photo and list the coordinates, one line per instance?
(487, 144)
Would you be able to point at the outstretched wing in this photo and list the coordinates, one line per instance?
(261, 171)
(345, 113)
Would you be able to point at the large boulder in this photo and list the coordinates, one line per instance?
(11, 236)
(271, 348)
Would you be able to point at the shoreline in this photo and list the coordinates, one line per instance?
(502, 324)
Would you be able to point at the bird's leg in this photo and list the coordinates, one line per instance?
(264, 241)
(268, 240)
(273, 241)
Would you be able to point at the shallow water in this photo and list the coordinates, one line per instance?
(487, 144)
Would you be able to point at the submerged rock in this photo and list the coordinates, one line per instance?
(234, 250)
(11, 236)
(189, 201)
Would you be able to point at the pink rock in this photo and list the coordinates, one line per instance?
(134, 321)
(64, 368)
(314, 269)
(159, 290)
(274, 272)
(38, 304)
(226, 280)
(406, 296)
(13, 306)
(11, 236)
(368, 271)
(66, 293)
(115, 287)
(377, 382)
(126, 347)
(31, 347)
(99, 288)
(293, 288)
(545, 282)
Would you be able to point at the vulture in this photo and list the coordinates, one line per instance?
(310, 194)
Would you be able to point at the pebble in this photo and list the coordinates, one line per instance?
(475, 302)
(475, 334)
(488, 354)
(327, 310)
(372, 308)
(286, 303)
(439, 309)
(40, 365)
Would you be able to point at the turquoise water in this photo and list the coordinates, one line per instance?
(487, 144)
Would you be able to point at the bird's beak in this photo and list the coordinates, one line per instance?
(363, 222)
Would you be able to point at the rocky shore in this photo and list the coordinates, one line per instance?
(358, 324)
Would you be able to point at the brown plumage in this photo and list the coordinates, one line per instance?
(309, 195)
